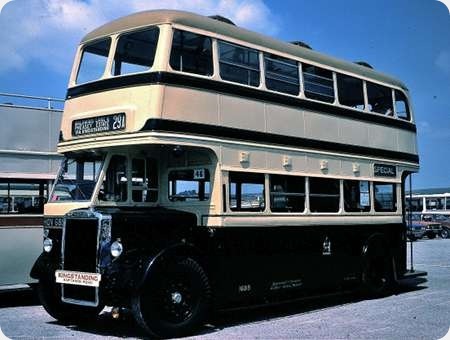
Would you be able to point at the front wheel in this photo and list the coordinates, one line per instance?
(49, 294)
(175, 299)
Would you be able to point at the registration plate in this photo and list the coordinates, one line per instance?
(108, 123)
(78, 278)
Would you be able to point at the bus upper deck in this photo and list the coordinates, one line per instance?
(182, 72)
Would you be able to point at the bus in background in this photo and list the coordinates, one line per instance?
(432, 206)
(218, 168)
(28, 166)
(430, 203)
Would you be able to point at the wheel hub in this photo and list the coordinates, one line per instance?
(176, 298)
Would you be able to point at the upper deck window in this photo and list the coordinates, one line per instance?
(318, 83)
(281, 74)
(135, 51)
(380, 99)
(350, 91)
(191, 53)
(239, 64)
(401, 105)
(93, 61)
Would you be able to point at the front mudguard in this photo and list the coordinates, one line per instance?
(44, 266)
(163, 257)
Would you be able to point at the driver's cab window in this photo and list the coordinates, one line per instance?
(144, 175)
(114, 187)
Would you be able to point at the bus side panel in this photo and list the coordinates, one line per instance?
(255, 264)
(19, 248)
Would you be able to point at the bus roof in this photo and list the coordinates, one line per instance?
(204, 23)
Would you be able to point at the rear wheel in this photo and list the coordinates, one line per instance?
(444, 233)
(49, 294)
(378, 271)
(175, 300)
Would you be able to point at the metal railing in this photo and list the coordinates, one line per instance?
(31, 101)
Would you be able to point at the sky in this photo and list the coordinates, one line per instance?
(408, 39)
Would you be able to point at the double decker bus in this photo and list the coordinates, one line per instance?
(208, 167)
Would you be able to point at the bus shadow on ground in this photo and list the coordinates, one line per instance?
(18, 298)
(125, 326)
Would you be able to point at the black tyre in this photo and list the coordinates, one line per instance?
(175, 299)
(412, 237)
(444, 233)
(378, 272)
(431, 235)
(49, 294)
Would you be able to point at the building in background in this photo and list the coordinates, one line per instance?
(29, 131)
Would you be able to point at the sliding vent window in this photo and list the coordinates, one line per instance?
(281, 74)
(324, 195)
(239, 64)
(246, 191)
(318, 83)
(135, 52)
(380, 99)
(93, 61)
(145, 180)
(287, 193)
(401, 105)
(350, 91)
(356, 196)
(191, 53)
(189, 185)
(385, 197)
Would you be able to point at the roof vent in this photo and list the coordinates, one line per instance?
(222, 19)
(363, 63)
(301, 44)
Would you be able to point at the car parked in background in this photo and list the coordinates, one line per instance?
(432, 228)
(422, 226)
(415, 230)
(443, 220)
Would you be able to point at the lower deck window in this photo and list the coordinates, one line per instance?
(144, 180)
(114, 187)
(324, 195)
(246, 191)
(356, 196)
(385, 197)
(22, 197)
(287, 193)
(189, 185)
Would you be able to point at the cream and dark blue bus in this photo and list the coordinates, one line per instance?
(208, 167)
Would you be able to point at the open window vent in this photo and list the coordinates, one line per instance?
(222, 19)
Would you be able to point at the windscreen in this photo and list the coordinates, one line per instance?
(77, 178)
